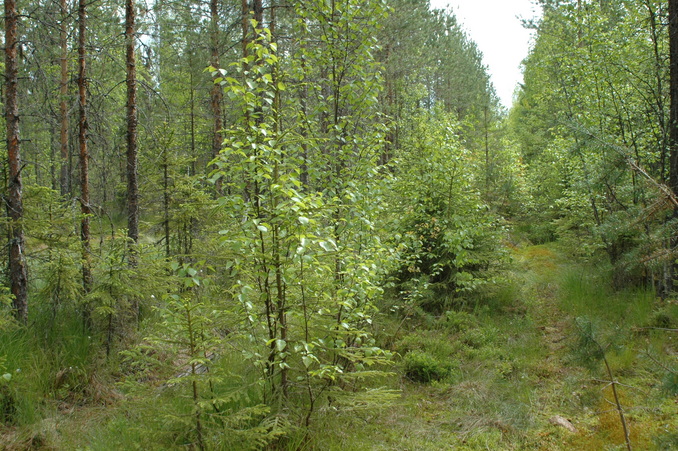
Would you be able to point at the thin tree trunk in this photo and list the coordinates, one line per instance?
(64, 179)
(17, 265)
(216, 94)
(281, 288)
(659, 96)
(245, 11)
(132, 148)
(132, 120)
(673, 120)
(166, 203)
(193, 129)
(273, 19)
(488, 177)
(245, 23)
(84, 152)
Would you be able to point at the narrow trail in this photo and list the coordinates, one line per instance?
(509, 375)
(578, 401)
(539, 266)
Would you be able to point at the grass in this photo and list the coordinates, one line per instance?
(586, 291)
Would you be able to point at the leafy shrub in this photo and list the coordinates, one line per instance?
(423, 367)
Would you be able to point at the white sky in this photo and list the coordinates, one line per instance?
(496, 28)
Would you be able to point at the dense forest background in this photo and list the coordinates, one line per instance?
(312, 225)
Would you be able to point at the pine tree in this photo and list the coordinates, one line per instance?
(17, 265)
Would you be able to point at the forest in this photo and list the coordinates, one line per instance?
(312, 225)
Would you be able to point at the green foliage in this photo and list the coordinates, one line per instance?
(430, 60)
(592, 123)
(668, 440)
(201, 396)
(61, 287)
(438, 345)
(56, 263)
(180, 204)
(589, 349)
(115, 284)
(364, 155)
(447, 240)
(304, 292)
(7, 319)
(671, 383)
(49, 363)
(7, 394)
(458, 321)
(186, 327)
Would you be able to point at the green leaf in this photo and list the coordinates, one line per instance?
(328, 246)
(280, 345)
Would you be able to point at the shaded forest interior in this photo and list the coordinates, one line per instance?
(311, 224)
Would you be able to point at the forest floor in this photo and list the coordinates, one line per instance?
(513, 376)
(517, 380)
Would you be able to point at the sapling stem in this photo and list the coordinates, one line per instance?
(613, 383)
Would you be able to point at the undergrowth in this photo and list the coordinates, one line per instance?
(492, 373)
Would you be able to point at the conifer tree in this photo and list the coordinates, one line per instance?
(132, 121)
(17, 265)
(83, 127)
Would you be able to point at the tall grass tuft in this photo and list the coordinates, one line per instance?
(587, 291)
(48, 361)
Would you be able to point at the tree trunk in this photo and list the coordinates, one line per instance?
(258, 9)
(166, 202)
(84, 152)
(17, 266)
(132, 120)
(216, 94)
(659, 88)
(673, 120)
(245, 20)
(64, 179)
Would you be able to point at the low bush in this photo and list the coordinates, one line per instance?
(423, 367)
